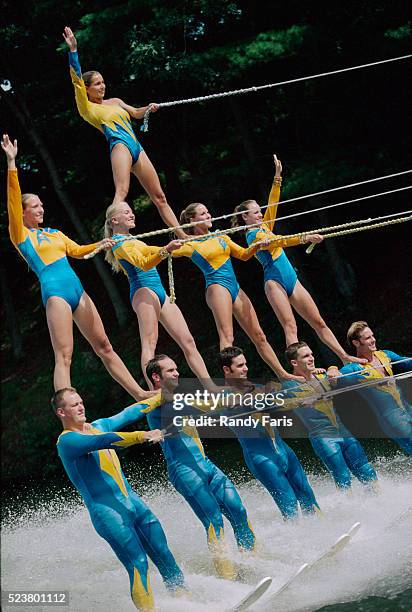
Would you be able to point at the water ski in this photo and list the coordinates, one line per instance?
(336, 547)
(291, 579)
(253, 596)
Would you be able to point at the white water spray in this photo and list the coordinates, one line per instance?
(54, 547)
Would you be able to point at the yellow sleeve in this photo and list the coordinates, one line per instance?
(17, 231)
(280, 242)
(77, 250)
(272, 209)
(83, 104)
(239, 252)
(129, 438)
(186, 250)
(131, 252)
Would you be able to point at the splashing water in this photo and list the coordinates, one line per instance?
(53, 546)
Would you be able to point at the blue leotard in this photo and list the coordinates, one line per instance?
(117, 512)
(212, 255)
(45, 250)
(137, 260)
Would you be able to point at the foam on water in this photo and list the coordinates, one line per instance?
(54, 547)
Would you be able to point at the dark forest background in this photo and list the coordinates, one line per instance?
(328, 132)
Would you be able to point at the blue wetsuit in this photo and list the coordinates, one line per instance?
(208, 491)
(393, 412)
(138, 261)
(332, 442)
(45, 251)
(212, 255)
(111, 119)
(117, 512)
(275, 465)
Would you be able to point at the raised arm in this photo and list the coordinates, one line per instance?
(274, 196)
(17, 231)
(82, 101)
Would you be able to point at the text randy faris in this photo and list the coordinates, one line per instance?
(231, 421)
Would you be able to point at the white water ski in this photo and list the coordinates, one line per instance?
(253, 596)
(336, 547)
(354, 529)
(289, 581)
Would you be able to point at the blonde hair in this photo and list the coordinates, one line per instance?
(241, 208)
(88, 77)
(187, 215)
(108, 233)
(355, 330)
(25, 199)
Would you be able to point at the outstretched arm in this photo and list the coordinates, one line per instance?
(129, 415)
(405, 366)
(144, 257)
(72, 444)
(78, 251)
(137, 113)
(17, 231)
(239, 252)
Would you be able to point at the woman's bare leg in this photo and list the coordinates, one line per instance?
(145, 172)
(121, 168)
(90, 325)
(146, 305)
(304, 304)
(278, 299)
(219, 301)
(173, 321)
(60, 324)
(246, 316)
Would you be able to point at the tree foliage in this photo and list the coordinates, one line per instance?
(328, 132)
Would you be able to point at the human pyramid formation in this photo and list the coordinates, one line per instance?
(88, 450)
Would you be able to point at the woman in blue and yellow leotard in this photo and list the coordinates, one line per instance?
(112, 117)
(223, 295)
(282, 287)
(147, 294)
(64, 298)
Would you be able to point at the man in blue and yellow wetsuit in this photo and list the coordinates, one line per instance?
(392, 411)
(332, 442)
(205, 487)
(267, 456)
(117, 512)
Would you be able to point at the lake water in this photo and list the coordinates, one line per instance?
(48, 543)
